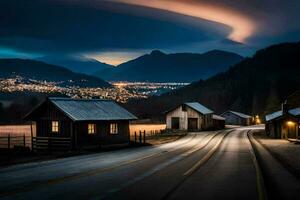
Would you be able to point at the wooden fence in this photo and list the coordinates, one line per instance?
(140, 137)
(12, 141)
(51, 143)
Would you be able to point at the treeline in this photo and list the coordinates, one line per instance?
(256, 85)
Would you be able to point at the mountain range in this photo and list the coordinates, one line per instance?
(256, 85)
(178, 67)
(31, 69)
(77, 64)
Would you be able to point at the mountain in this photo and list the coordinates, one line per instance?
(179, 67)
(76, 63)
(256, 85)
(30, 69)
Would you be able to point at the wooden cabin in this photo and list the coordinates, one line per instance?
(189, 116)
(237, 118)
(86, 122)
(283, 124)
(218, 122)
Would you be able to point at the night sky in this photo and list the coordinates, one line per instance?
(114, 31)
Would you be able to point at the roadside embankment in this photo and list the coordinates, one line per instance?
(286, 152)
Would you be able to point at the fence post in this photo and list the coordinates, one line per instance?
(8, 141)
(140, 138)
(144, 136)
(135, 137)
(24, 140)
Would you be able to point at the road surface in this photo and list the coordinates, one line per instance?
(202, 165)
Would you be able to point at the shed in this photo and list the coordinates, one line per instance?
(86, 122)
(189, 116)
(237, 118)
(218, 121)
(283, 124)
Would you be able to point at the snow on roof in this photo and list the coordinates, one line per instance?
(242, 115)
(91, 109)
(198, 107)
(217, 117)
(273, 115)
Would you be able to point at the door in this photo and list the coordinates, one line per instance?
(175, 122)
(292, 128)
(192, 123)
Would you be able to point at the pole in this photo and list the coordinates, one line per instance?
(135, 137)
(24, 142)
(31, 135)
(140, 137)
(8, 141)
(144, 137)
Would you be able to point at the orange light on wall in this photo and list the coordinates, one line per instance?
(290, 123)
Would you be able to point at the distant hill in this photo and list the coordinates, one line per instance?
(179, 67)
(256, 85)
(76, 64)
(37, 70)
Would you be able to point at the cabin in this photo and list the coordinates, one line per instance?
(189, 116)
(283, 124)
(236, 118)
(218, 122)
(87, 122)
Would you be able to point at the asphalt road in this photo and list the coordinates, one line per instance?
(204, 165)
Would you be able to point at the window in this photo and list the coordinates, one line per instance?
(54, 127)
(114, 128)
(91, 128)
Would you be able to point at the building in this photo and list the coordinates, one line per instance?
(236, 118)
(189, 116)
(86, 122)
(218, 122)
(283, 124)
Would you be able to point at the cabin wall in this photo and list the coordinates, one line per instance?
(48, 114)
(280, 129)
(233, 119)
(102, 135)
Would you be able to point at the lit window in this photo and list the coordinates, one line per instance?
(54, 126)
(114, 128)
(91, 128)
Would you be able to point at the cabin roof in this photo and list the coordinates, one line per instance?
(218, 117)
(242, 115)
(90, 109)
(274, 115)
(199, 107)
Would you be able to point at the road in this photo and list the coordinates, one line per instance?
(202, 165)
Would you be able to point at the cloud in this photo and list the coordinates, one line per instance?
(93, 27)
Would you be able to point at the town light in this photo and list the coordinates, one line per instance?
(290, 123)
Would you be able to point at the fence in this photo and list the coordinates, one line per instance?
(51, 143)
(12, 141)
(140, 137)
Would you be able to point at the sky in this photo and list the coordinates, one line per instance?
(115, 31)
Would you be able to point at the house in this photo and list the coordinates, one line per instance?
(218, 122)
(284, 123)
(85, 122)
(236, 118)
(189, 116)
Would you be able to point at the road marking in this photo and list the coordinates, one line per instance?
(259, 178)
(161, 166)
(92, 172)
(207, 156)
